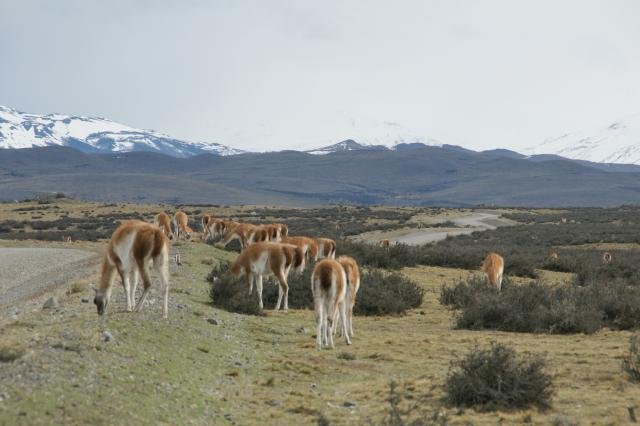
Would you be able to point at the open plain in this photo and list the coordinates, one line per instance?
(206, 365)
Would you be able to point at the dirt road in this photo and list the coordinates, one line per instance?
(474, 221)
(29, 272)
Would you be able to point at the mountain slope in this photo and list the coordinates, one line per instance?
(618, 142)
(346, 145)
(414, 175)
(91, 134)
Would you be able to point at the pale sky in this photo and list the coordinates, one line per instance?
(276, 74)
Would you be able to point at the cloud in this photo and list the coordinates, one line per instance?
(281, 74)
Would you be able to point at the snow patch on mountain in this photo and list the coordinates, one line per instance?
(365, 134)
(93, 134)
(618, 142)
(346, 145)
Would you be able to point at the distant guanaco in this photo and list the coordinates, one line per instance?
(383, 243)
(606, 258)
(352, 273)
(206, 219)
(181, 225)
(214, 228)
(236, 230)
(493, 267)
(326, 248)
(163, 221)
(308, 245)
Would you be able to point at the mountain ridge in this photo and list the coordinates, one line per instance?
(415, 175)
(93, 134)
(615, 143)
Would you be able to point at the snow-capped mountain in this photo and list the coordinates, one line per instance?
(92, 134)
(346, 145)
(619, 142)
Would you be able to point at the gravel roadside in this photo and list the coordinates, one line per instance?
(26, 273)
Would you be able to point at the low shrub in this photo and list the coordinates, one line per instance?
(230, 294)
(537, 307)
(497, 378)
(11, 353)
(300, 296)
(631, 362)
(393, 257)
(463, 293)
(379, 294)
(386, 294)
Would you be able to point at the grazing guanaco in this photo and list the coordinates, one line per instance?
(264, 259)
(326, 248)
(606, 258)
(163, 221)
(329, 287)
(283, 229)
(553, 256)
(308, 245)
(383, 243)
(131, 250)
(181, 225)
(67, 239)
(352, 273)
(239, 231)
(493, 267)
(215, 227)
(274, 231)
(259, 234)
(206, 219)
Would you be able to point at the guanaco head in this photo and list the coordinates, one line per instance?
(101, 300)
(188, 233)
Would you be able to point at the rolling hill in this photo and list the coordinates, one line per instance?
(412, 174)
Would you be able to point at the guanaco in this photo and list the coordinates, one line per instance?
(133, 247)
(329, 286)
(163, 221)
(493, 267)
(264, 259)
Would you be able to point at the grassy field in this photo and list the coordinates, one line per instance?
(266, 370)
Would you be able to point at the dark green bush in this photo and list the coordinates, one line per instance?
(379, 294)
(230, 294)
(497, 378)
(386, 294)
(300, 296)
(539, 308)
(393, 257)
(464, 292)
